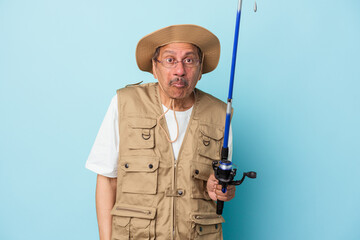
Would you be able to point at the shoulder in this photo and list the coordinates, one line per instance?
(136, 89)
(139, 100)
(209, 109)
(209, 101)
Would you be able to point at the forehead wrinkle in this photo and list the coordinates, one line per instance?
(174, 52)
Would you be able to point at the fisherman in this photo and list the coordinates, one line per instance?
(154, 150)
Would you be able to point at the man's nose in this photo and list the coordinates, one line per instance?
(179, 69)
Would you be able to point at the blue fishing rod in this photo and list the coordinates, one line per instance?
(224, 172)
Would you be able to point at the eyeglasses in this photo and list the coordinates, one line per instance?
(171, 62)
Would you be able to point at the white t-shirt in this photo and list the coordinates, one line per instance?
(105, 151)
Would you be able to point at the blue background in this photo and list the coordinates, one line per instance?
(296, 101)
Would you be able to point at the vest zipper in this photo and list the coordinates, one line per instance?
(134, 210)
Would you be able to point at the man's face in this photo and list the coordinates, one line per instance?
(177, 82)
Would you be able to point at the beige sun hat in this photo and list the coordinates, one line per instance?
(187, 33)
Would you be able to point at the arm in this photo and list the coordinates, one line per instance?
(214, 190)
(105, 200)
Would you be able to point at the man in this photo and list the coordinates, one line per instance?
(154, 151)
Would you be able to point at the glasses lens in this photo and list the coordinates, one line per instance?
(191, 62)
(187, 62)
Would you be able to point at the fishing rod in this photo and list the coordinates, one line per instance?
(224, 172)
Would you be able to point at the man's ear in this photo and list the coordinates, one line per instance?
(154, 69)
(201, 68)
(200, 76)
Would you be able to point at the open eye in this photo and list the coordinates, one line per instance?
(169, 60)
(188, 60)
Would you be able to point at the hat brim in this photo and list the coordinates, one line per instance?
(187, 33)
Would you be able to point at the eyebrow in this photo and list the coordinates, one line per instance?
(173, 52)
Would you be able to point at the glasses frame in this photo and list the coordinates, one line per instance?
(176, 62)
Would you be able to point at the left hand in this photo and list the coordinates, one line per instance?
(214, 190)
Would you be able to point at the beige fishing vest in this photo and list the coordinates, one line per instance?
(158, 198)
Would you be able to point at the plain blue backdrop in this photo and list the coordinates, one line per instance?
(296, 101)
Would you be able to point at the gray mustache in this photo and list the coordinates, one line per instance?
(182, 80)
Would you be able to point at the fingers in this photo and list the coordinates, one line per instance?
(214, 190)
(219, 187)
(211, 186)
(227, 196)
(212, 179)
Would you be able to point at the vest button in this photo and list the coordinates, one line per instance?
(126, 165)
(196, 171)
(180, 192)
(216, 226)
(200, 229)
(151, 166)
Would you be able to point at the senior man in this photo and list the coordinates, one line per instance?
(154, 151)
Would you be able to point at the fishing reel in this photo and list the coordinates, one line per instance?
(225, 174)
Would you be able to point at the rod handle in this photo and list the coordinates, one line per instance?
(219, 207)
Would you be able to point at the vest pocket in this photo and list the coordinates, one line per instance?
(120, 228)
(139, 174)
(209, 144)
(200, 173)
(206, 226)
(141, 133)
(133, 222)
